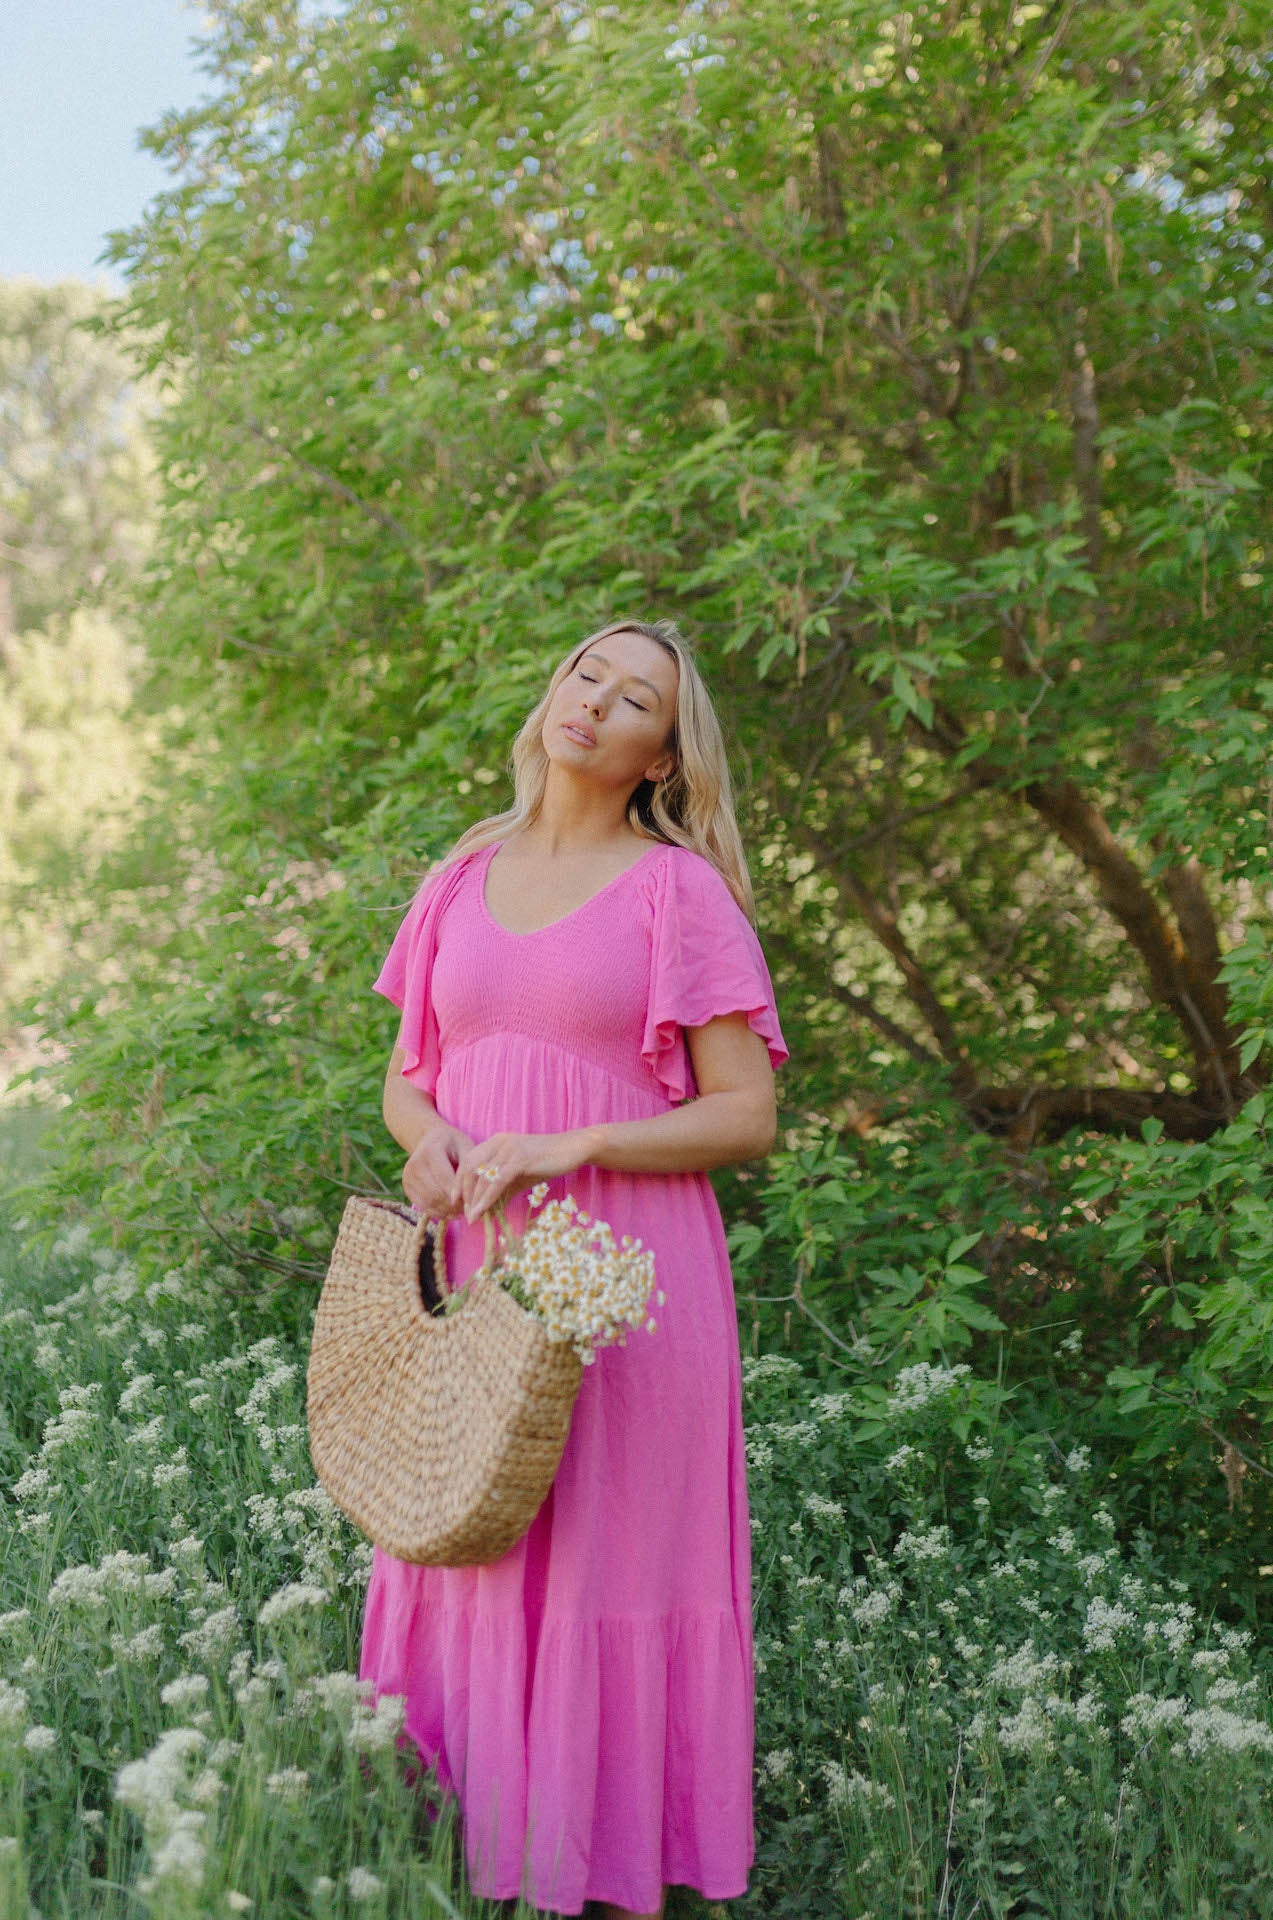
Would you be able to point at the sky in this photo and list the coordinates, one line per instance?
(78, 79)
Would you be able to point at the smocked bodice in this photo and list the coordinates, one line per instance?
(581, 984)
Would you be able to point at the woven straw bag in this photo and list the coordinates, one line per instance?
(437, 1436)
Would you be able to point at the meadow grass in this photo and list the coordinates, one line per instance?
(977, 1693)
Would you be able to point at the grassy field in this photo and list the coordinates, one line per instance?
(980, 1691)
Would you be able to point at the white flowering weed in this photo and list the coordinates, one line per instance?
(296, 1597)
(929, 1656)
(14, 1705)
(1034, 1654)
(362, 1884)
(129, 1642)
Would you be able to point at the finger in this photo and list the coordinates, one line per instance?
(464, 1176)
(455, 1147)
(511, 1182)
(427, 1193)
(471, 1183)
(482, 1153)
(487, 1194)
(442, 1175)
(475, 1195)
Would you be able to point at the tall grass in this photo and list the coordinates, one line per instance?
(975, 1697)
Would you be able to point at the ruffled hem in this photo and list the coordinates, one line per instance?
(667, 1053)
(406, 974)
(733, 1892)
(706, 961)
(593, 1759)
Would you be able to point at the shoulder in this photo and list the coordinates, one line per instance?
(695, 870)
(446, 872)
(681, 868)
(435, 887)
(707, 962)
(689, 885)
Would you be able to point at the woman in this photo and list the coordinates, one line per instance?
(585, 1003)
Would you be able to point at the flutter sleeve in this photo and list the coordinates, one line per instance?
(705, 961)
(405, 977)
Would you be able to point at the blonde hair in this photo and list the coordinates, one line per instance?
(692, 807)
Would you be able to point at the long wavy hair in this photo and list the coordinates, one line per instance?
(693, 806)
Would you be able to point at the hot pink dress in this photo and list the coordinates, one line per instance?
(590, 1696)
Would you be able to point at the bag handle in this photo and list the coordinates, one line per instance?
(436, 1227)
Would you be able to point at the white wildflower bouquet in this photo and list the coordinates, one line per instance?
(566, 1270)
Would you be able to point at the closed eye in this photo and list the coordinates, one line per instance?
(592, 682)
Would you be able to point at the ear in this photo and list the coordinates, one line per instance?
(659, 769)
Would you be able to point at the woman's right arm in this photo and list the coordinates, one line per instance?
(432, 1145)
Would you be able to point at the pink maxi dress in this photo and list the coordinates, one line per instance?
(590, 1696)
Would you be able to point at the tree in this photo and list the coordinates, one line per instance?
(76, 496)
(913, 359)
(75, 481)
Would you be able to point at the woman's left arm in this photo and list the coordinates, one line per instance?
(735, 1117)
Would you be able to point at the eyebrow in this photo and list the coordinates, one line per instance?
(603, 662)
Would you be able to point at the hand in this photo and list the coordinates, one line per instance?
(523, 1159)
(429, 1175)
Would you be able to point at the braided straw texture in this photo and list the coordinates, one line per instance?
(438, 1437)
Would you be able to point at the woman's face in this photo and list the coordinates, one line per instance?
(612, 713)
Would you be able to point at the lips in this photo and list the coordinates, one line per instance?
(577, 731)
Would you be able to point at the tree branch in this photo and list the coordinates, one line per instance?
(334, 485)
(1087, 473)
(860, 1003)
(1027, 1114)
(1126, 894)
(883, 924)
(1190, 992)
(1049, 47)
(735, 222)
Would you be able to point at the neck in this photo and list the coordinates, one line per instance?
(576, 816)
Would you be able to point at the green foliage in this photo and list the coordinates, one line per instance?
(74, 758)
(1248, 969)
(912, 363)
(252, 1088)
(993, 1691)
(1188, 1228)
(916, 364)
(76, 469)
(873, 1236)
(975, 1674)
(159, 1494)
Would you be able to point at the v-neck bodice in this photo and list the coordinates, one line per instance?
(531, 933)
